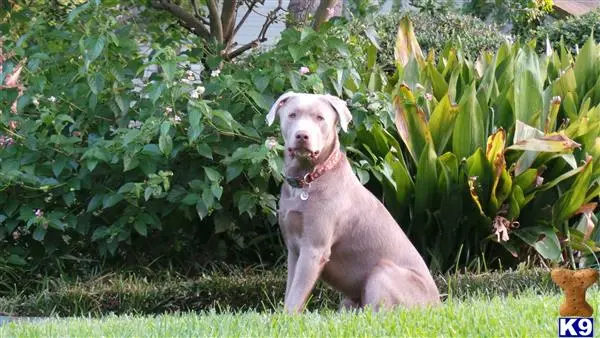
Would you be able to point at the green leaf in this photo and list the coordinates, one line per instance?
(261, 82)
(94, 47)
(59, 165)
(110, 200)
(201, 209)
(543, 239)
(125, 188)
(74, 13)
(96, 83)
(169, 68)
(155, 90)
(442, 122)
(212, 174)
(528, 88)
(16, 260)
(196, 127)
(94, 202)
(140, 227)
(574, 198)
(469, 130)
(233, 170)
(190, 199)
(39, 233)
(426, 181)
(217, 190)
(204, 150)
(148, 193)
(165, 144)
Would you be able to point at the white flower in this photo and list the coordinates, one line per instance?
(176, 119)
(52, 99)
(304, 70)
(428, 96)
(133, 124)
(168, 110)
(36, 102)
(215, 73)
(271, 143)
(196, 93)
(419, 86)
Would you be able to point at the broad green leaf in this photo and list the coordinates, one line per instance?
(442, 122)
(426, 180)
(74, 13)
(39, 233)
(528, 87)
(93, 47)
(399, 178)
(169, 68)
(480, 178)
(543, 239)
(141, 228)
(438, 83)
(165, 143)
(16, 260)
(411, 123)
(212, 174)
(573, 198)
(110, 200)
(469, 130)
(201, 209)
(96, 82)
(585, 66)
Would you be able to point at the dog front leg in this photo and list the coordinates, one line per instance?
(308, 268)
(291, 269)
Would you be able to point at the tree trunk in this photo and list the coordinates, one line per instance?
(300, 10)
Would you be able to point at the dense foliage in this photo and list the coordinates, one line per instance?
(434, 33)
(574, 31)
(120, 147)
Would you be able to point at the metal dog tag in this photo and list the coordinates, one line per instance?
(304, 195)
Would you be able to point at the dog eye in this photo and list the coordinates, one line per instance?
(292, 115)
(320, 118)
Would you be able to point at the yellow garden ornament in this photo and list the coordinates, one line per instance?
(575, 284)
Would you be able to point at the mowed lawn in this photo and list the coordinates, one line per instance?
(525, 315)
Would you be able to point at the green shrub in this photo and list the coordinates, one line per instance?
(107, 162)
(436, 33)
(235, 290)
(574, 31)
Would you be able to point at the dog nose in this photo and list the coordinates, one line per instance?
(302, 136)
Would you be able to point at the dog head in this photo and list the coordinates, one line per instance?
(308, 122)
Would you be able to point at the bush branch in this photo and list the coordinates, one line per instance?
(186, 19)
(228, 16)
(216, 29)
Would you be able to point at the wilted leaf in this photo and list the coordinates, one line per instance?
(554, 143)
(411, 123)
(406, 43)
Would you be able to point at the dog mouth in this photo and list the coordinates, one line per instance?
(304, 153)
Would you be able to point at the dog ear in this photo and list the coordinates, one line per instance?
(278, 104)
(339, 105)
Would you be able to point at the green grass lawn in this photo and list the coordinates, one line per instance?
(525, 315)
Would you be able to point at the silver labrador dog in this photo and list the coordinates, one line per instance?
(333, 227)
